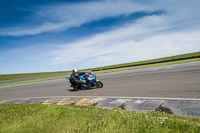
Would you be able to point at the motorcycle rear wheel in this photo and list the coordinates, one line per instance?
(99, 84)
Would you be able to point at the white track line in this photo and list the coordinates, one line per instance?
(138, 98)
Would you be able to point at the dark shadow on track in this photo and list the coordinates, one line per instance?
(82, 89)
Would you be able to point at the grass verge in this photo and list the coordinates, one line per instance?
(33, 80)
(177, 57)
(29, 118)
(29, 75)
(147, 66)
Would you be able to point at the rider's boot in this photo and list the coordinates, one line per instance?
(75, 88)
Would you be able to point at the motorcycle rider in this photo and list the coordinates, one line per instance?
(74, 79)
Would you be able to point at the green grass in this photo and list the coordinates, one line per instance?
(28, 118)
(33, 80)
(147, 66)
(29, 75)
(154, 60)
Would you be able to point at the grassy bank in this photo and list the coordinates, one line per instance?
(33, 80)
(29, 75)
(151, 61)
(147, 66)
(25, 118)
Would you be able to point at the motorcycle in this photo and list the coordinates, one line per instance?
(87, 80)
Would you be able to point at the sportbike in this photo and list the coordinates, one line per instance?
(88, 79)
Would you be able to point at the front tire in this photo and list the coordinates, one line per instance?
(99, 84)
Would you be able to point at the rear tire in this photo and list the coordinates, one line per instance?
(99, 84)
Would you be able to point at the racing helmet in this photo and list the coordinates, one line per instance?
(75, 72)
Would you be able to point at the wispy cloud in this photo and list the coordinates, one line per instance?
(61, 17)
(172, 33)
(176, 31)
(150, 37)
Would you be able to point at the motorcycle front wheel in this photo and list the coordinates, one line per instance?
(99, 84)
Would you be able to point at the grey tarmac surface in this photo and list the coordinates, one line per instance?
(174, 89)
(174, 81)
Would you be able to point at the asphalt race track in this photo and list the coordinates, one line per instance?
(175, 81)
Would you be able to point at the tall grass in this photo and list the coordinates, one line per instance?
(25, 118)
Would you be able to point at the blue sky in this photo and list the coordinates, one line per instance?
(59, 35)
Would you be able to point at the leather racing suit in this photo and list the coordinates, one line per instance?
(74, 80)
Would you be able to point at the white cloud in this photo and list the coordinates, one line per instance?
(62, 17)
(150, 37)
(175, 32)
